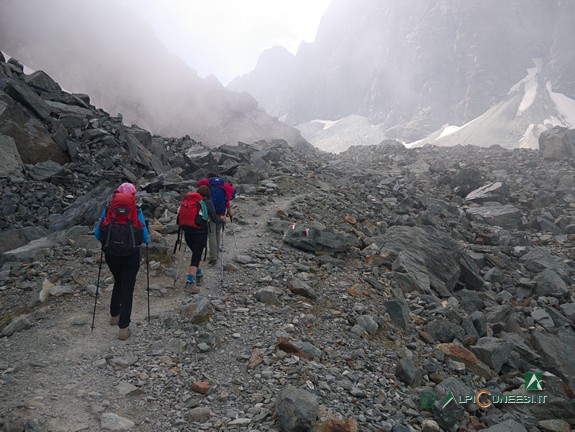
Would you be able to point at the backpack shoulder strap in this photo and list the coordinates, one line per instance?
(204, 210)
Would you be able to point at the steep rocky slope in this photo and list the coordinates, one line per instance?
(105, 49)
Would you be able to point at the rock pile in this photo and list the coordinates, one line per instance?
(366, 289)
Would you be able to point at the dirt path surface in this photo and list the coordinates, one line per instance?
(64, 376)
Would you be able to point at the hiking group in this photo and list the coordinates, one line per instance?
(122, 229)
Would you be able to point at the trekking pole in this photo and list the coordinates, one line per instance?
(148, 279)
(97, 287)
(182, 256)
(233, 233)
(222, 258)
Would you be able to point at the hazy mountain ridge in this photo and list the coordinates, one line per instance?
(411, 67)
(89, 49)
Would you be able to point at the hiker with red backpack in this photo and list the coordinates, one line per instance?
(196, 211)
(122, 229)
(222, 194)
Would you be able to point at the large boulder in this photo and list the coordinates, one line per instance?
(557, 143)
(10, 163)
(504, 216)
(33, 141)
(425, 254)
(297, 409)
(557, 351)
(318, 240)
(494, 192)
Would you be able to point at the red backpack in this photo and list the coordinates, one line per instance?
(121, 232)
(193, 212)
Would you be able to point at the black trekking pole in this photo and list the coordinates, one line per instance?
(148, 279)
(233, 233)
(222, 258)
(97, 287)
(182, 256)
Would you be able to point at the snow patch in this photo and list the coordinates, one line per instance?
(530, 138)
(448, 130)
(529, 87)
(326, 123)
(564, 104)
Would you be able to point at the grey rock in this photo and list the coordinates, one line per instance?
(314, 239)
(267, 295)
(448, 415)
(42, 81)
(492, 192)
(470, 272)
(558, 318)
(197, 310)
(27, 97)
(493, 352)
(430, 256)
(199, 414)
(34, 142)
(429, 425)
(18, 324)
(309, 349)
(444, 330)
(549, 283)
(300, 287)
(398, 311)
(466, 180)
(469, 301)
(539, 259)
(45, 170)
(557, 350)
(296, 409)
(504, 216)
(84, 211)
(569, 310)
(368, 323)
(542, 317)
(10, 163)
(35, 250)
(557, 143)
(554, 425)
(113, 422)
(506, 426)
(407, 372)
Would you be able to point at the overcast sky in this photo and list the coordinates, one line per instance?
(225, 37)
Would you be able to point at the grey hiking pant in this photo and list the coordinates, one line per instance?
(215, 238)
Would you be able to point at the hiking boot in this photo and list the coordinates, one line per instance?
(191, 285)
(114, 320)
(213, 262)
(199, 280)
(124, 333)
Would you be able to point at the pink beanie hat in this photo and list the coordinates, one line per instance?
(127, 188)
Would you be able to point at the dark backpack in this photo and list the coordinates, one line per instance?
(121, 232)
(193, 212)
(219, 196)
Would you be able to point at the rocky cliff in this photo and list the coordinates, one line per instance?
(105, 49)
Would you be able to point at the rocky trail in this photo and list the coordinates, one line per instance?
(64, 376)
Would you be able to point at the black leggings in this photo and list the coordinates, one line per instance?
(125, 269)
(196, 241)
